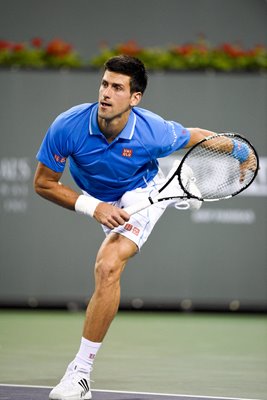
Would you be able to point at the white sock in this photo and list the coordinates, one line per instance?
(86, 354)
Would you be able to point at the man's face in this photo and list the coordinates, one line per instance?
(115, 97)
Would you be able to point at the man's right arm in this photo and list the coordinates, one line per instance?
(47, 185)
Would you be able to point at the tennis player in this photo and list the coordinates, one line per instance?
(112, 147)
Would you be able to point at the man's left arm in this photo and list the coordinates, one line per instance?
(197, 134)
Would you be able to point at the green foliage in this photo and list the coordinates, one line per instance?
(55, 54)
(192, 56)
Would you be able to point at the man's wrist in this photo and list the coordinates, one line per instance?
(240, 151)
(86, 205)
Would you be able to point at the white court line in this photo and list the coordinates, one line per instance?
(142, 393)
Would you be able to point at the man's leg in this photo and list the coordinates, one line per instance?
(103, 306)
(110, 262)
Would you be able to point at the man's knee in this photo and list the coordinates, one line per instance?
(107, 271)
(112, 258)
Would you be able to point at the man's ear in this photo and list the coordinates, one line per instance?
(136, 98)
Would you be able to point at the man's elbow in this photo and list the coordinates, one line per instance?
(39, 186)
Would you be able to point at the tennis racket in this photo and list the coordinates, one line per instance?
(216, 168)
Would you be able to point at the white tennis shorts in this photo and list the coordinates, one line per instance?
(141, 224)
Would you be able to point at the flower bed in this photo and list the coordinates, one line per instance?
(37, 54)
(192, 56)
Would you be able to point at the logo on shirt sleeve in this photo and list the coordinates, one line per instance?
(60, 159)
(127, 152)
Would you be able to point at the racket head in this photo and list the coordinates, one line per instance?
(216, 173)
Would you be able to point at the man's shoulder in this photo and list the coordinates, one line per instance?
(71, 123)
(74, 113)
(148, 115)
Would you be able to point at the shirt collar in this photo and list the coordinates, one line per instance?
(126, 133)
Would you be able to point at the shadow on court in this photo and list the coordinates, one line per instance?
(9, 392)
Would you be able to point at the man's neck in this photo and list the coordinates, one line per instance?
(111, 128)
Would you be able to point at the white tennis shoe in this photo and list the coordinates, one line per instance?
(75, 385)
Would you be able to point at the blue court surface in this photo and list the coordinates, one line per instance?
(16, 392)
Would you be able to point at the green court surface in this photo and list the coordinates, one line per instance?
(219, 355)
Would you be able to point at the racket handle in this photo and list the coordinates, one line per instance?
(134, 208)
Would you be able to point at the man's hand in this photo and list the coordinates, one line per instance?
(249, 164)
(110, 216)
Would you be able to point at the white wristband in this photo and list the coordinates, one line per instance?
(86, 205)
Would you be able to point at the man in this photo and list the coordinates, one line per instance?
(112, 147)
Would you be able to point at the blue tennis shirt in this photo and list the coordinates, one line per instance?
(107, 170)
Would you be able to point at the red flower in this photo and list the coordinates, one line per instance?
(232, 51)
(17, 47)
(37, 42)
(130, 48)
(184, 50)
(5, 45)
(59, 48)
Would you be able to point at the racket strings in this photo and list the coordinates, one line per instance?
(216, 172)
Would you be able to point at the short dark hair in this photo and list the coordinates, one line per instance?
(132, 67)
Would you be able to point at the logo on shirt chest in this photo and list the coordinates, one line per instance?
(127, 152)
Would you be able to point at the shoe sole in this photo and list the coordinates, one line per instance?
(88, 396)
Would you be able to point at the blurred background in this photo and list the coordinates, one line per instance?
(211, 259)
